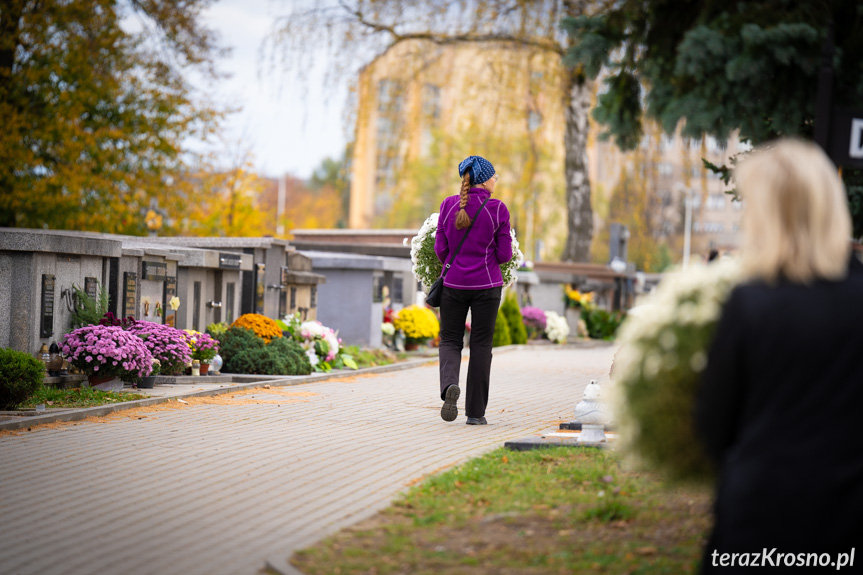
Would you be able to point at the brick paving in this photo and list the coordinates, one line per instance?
(228, 489)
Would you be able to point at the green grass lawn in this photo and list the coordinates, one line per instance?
(79, 397)
(558, 510)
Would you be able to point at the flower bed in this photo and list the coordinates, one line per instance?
(417, 323)
(108, 351)
(264, 327)
(534, 321)
(167, 344)
(203, 346)
(321, 344)
(556, 327)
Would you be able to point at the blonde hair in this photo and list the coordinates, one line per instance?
(796, 223)
(462, 220)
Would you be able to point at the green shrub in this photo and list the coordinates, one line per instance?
(20, 377)
(601, 324)
(501, 331)
(244, 352)
(297, 362)
(88, 311)
(217, 330)
(513, 318)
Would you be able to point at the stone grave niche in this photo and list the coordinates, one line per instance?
(157, 281)
(208, 285)
(259, 287)
(299, 287)
(37, 271)
(352, 299)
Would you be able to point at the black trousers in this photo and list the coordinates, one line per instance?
(483, 305)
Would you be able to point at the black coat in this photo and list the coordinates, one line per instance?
(780, 409)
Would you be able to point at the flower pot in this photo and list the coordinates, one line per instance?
(205, 367)
(573, 315)
(105, 382)
(412, 345)
(147, 382)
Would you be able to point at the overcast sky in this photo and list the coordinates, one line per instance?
(287, 132)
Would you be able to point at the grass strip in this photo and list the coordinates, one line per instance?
(78, 397)
(558, 510)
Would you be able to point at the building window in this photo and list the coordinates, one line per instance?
(294, 298)
(314, 302)
(196, 306)
(715, 202)
(230, 290)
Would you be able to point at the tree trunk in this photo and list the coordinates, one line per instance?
(579, 210)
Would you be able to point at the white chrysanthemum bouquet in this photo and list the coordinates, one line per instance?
(427, 268)
(664, 345)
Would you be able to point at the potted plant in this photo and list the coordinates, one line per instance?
(167, 344)
(574, 301)
(203, 347)
(107, 354)
(419, 325)
(149, 381)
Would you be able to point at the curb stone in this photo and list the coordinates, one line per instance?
(283, 381)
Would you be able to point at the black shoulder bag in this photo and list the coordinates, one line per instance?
(436, 291)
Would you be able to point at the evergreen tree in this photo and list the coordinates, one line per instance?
(501, 330)
(511, 311)
(720, 66)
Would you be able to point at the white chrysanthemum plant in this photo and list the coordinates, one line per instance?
(556, 327)
(427, 268)
(663, 351)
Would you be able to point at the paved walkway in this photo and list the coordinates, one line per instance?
(227, 485)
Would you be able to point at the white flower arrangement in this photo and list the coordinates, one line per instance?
(664, 345)
(556, 327)
(427, 268)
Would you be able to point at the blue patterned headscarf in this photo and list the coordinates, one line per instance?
(480, 169)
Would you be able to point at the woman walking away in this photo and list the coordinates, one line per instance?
(472, 281)
(779, 403)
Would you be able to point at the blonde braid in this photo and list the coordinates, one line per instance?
(462, 220)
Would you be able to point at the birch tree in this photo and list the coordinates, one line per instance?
(355, 32)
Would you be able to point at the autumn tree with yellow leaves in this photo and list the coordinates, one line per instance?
(93, 117)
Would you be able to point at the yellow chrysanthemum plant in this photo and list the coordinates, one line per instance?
(419, 324)
(577, 299)
(264, 327)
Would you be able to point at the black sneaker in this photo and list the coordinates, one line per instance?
(449, 411)
(476, 421)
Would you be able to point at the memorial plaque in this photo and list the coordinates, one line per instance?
(154, 271)
(230, 261)
(91, 288)
(46, 325)
(130, 293)
(377, 289)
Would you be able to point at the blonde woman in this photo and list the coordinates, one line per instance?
(779, 407)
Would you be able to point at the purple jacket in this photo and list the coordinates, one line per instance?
(489, 244)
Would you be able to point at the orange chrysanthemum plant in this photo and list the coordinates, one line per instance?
(264, 327)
